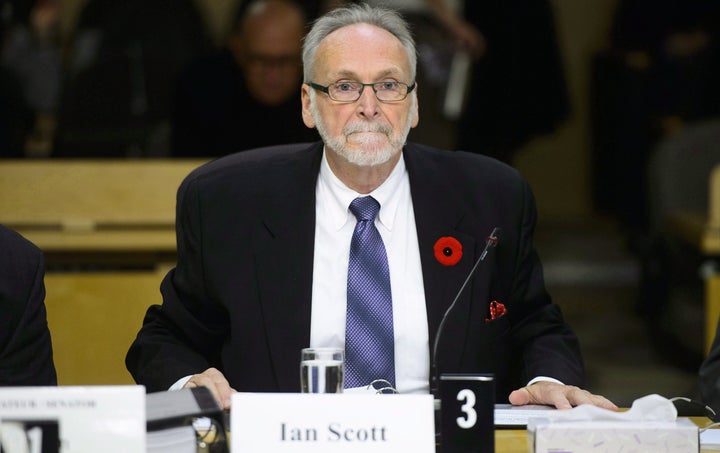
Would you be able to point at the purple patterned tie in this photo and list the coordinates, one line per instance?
(369, 341)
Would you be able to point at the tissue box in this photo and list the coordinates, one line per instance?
(545, 436)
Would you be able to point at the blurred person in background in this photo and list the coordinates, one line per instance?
(513, 88)
(660, 72)
(123, 61)
(517, 89)
(248, 93)
(30, 76)
(655, 99)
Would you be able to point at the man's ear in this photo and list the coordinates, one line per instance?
(416, 113)
(306, 113)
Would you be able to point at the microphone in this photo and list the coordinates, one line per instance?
(491, 242)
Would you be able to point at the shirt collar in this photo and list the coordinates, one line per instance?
(340, 195)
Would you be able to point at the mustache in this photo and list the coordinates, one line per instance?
(367, 127)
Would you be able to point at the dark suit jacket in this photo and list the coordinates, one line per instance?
(240, 296)
(26, 356)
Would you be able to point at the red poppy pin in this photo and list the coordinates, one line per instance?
(497, 310)
(448, 251)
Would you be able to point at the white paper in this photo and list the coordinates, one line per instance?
(107, 419)
(180, 439)
(710, 439)
(509, 415)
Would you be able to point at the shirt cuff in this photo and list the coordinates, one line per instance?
(180, 383)
(544, 379)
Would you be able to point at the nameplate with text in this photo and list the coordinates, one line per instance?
(304, 422)
(69, 419)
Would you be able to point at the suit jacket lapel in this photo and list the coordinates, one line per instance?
(439, 213)
(284, 254)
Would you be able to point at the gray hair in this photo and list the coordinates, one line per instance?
(384, 18)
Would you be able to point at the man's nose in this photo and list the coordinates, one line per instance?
(368, 103)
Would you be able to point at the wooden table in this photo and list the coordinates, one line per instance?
(511, 441)
(145, 248)
(98, 212)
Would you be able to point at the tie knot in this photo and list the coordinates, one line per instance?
(365, 208)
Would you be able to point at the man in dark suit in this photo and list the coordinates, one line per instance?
(26, 356)
(264, 240)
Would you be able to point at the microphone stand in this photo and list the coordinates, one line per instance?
(492, 241)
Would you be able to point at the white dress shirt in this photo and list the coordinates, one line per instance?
(334, 227)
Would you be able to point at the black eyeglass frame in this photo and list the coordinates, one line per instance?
(326, 89)
(381, 386)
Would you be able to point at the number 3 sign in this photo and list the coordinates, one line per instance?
(467, 407)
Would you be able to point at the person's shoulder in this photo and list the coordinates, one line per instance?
(462, 163)
(12, 240)
(258, 160)
(18, 251)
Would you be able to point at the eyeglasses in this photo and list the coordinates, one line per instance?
(386, 91)
(381, 386)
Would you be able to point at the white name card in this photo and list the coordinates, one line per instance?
(328, 423)
(104, 419)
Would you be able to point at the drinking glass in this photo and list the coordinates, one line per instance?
(322, 370)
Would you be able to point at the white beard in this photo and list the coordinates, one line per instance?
(364, 150)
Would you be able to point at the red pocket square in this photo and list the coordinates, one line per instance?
(497, 309)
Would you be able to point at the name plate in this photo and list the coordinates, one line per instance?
(305, 422)
(69, 419)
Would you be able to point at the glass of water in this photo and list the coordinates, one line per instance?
(322, 370)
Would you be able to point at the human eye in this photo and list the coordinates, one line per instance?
(346, 87)
(388, 85)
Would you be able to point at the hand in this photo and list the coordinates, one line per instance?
(558, 395)
(469, 39)
(215, 381)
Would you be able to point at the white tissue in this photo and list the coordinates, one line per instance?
(650, 408)
(651, 425)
